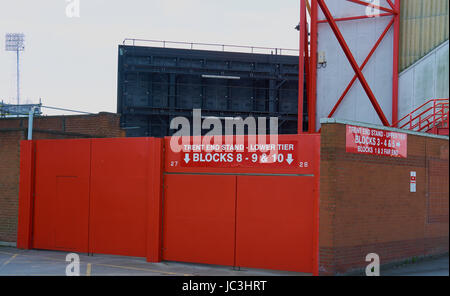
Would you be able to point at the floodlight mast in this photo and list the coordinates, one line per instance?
(16, 42)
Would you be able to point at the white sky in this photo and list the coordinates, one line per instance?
(72, 62)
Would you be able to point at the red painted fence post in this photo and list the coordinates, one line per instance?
(26, 195)
(154, 201)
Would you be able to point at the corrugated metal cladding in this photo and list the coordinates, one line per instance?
(156, 85)
(424, 25)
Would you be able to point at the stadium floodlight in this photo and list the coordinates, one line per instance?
(16, 42)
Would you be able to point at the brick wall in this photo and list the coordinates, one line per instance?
(13, 130)
(366, 205)
(97, 125)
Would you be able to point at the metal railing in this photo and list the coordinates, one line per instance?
(211, 46)
(434, 113)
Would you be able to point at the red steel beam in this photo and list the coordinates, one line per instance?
(312, 95)
(352, 61)
(391, 5)
(307, 78)
(343, 19)
(395, 63)
(301, 65)
(307, 57)
(372, 5)
(362, 68)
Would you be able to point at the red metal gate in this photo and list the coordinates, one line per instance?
(250, 208)
(199, 219)
(91, 196)
(275, 220)
(61, 203)
(230, 208)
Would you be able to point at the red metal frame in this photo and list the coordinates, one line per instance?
(312, 95)
(372, 5)
(349, 86)
(352, 61)
(352, 18)
(394, 11)
(301, 65)
(391, 4)
(396, 61)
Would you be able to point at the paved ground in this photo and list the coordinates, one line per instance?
(427, 267)
(14, 262)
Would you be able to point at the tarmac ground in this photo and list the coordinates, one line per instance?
(15, 262)
(424, 267)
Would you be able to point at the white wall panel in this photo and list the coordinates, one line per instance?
(360, 35)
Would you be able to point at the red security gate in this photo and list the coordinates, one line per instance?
(199, 219)
(231, 208)
(61, 203)
(250, 208)
(91, 196)
(275, 220)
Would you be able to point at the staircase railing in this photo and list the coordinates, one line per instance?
(434, 113)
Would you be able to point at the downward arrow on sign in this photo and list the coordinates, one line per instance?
(186, 158)
(289, 159)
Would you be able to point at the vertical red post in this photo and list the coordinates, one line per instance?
(154, 201)
(26, 195)
(312, 96)
(396, 62)
(301, 65)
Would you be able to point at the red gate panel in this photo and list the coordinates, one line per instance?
(199, 219)
(118, 207)
(61, 205)
(104, 196)
(274, 224)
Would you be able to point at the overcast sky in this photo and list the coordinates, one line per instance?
(72, 62)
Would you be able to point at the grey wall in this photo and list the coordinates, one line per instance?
(427, 79)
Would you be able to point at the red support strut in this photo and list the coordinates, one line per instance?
(312, 95)
(301, 65)
(395, 63)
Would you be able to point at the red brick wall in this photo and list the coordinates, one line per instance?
(9, 183)
(12, 130)
(366, 205)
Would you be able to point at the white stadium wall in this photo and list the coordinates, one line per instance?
(360, 35)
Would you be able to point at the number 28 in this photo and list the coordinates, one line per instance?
(304, 164)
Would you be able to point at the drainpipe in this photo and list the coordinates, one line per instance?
(30, 123)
